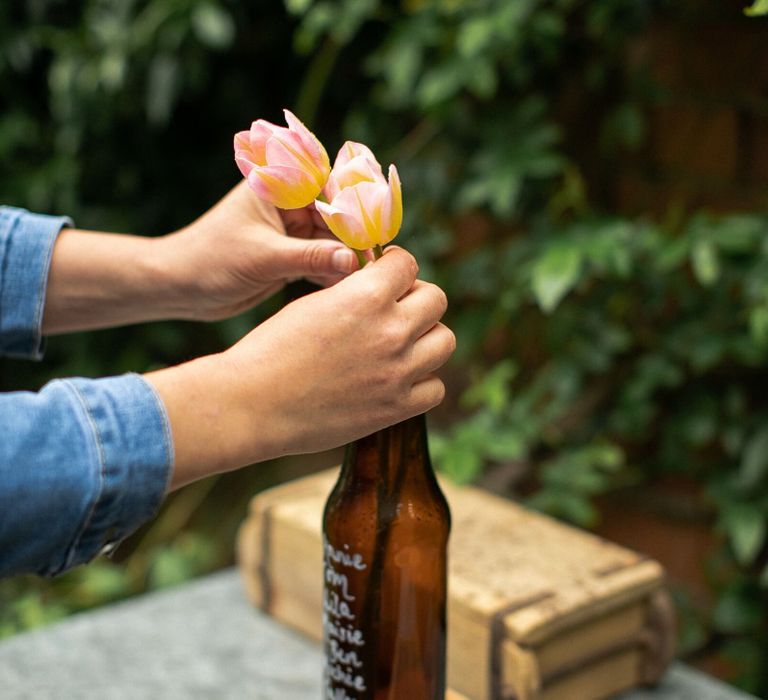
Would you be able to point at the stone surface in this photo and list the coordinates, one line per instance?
(201, 640)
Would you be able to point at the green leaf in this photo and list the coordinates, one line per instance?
(440, 83)
(103, 581)
(475, 35)
(745, 525)
(754, 462)
(563, 504)
(401, 67)
(461, 464)
(493, 389)
(554, 275)
(164, 85)
(506, 445)
(760, 7)
(297, 7)
(736, 613)
(213, 25)
(758, 325)
(705, 262)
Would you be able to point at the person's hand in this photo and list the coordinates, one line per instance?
(243, 250)
(230, 259)
(327, 369)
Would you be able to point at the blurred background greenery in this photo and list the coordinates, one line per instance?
(588, 181)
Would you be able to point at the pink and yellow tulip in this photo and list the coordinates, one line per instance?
(285, 166)
(364, 210)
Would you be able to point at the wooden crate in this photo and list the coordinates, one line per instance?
(538, 610)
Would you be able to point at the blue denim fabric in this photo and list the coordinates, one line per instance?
(83, 462)
(26, 245)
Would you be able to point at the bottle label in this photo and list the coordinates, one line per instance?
(344, 640)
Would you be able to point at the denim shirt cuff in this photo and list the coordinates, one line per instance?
(26, 247)
(127, 427)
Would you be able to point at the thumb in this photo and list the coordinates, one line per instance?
(299, 257)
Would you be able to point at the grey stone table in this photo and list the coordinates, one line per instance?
(201, 640)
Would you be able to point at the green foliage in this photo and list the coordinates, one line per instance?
(596, 351)
(758, 7)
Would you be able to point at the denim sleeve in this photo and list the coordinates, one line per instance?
(83, 463)
(26, 246)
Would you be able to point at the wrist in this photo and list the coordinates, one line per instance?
(176, 278)
(98, 280)
(214, 424)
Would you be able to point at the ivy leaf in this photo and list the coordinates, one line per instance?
(706, 265)
(554, 275)
(493, 389)
(163, 88)
(297, 7)
(213, 25)
(735, 613)
(759, 7)
(462, 464)
(102, 582)
(475, 35)
(754, 462)
(745, 525)
(758, 325)
(506, 445)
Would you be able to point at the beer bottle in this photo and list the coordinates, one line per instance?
(385, 536)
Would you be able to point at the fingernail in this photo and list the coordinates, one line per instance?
(343, 260)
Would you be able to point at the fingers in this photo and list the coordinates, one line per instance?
(305, 223)
(423, 305)
(432, 350)
(426, 394)
(296, 257)
(393, 275)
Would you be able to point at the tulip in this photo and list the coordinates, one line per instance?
(285, 166)
(364, 209)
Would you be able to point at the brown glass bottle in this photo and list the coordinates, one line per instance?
(385, 536)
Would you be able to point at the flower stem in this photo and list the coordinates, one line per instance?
(377, 251)
(360, 258)
(316, 80)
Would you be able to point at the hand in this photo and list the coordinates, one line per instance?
(244, 250)
(327, 369)
(230, 259)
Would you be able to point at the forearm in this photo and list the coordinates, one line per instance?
(98, 280)
(212, 427)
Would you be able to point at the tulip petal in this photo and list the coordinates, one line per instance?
(345, 225)
(358, 169)
(395, 205)
(352, 149)
(243, 161)
(371, 197)
(261, 131)
(243, 141)
(286, 148)
(309, 141)
(287, 188)
(280, 154)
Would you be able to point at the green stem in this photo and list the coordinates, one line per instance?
(360, 258)
(315, 80)
(377, 251)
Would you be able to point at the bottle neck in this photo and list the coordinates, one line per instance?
(395, 455)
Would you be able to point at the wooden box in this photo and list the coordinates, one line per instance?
(538, 610)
